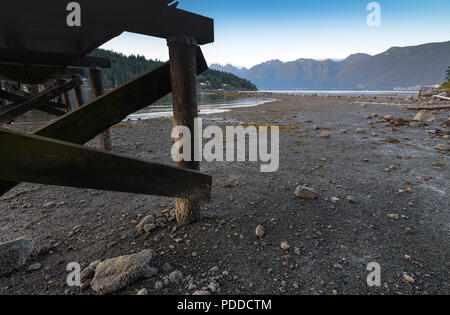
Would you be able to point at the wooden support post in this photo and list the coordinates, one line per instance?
(64, 98)
(2, 87)
(97, 91)
(79, 96)
(182, 52)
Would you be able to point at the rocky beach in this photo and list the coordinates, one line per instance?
(361, 180)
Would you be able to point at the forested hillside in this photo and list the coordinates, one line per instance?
(125, 68)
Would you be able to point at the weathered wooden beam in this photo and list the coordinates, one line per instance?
(88, 121)
(10, 55)
(97, 91)
(31, 74)
(144, 17)
(182, 54)
(11, 113)
(35, 159)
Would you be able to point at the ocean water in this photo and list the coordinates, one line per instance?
(211, 103)
(393, 93)
(208, 103)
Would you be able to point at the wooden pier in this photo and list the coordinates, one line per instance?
(38, 47)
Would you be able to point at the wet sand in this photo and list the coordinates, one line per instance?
(331, 244)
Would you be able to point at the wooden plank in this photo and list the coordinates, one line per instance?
(88, 121)
(29, 74)
(43, 97)
(10, 55)
(34, 159)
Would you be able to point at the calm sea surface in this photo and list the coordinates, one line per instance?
(210, 103)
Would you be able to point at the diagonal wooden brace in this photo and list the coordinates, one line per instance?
(48, 107)
(12, 112)
(41, 160)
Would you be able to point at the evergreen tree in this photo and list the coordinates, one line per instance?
(124, 68)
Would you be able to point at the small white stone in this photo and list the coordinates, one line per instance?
(393, 216)
(334, 200)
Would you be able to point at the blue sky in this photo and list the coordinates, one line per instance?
(249, 32)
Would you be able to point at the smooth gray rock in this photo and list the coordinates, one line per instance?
(14, 255)
(176, 277)
(115, 274)
(148, 220)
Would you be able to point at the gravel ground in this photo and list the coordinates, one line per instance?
(399, 182)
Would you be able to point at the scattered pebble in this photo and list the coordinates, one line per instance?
(285, 246)
(260, 231)
(142, 292)
(166, 267)
(306, 192)
(34, 267)
(408, 278)
(335, 200)
(393, 216)
(176, 277)
(159, 285)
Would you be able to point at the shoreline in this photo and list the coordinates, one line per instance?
(390, 172)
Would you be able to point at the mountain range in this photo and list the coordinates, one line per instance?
(398, 67)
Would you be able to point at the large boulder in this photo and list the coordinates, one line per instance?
(14, 255)
(117, 273)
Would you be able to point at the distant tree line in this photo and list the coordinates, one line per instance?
(124, 68)
(214, 79)
(446, 84)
